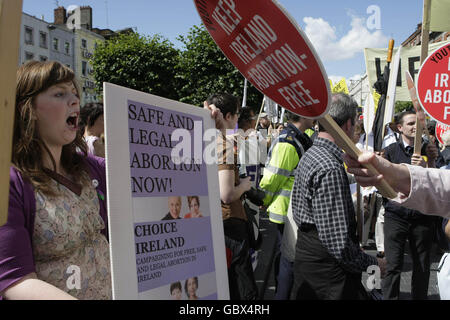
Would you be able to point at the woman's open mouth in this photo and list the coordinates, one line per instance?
(72, 121)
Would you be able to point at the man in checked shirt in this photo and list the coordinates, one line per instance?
(328, 259)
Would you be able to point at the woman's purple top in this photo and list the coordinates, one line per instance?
(16, 256)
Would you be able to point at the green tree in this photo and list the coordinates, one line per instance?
(138, 62)
(402, 106)
(204, 69)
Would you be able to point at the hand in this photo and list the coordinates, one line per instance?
(382, 263)
(246, 183)
(99, 146)
(216, 114)
(396, 175)
(417, 160)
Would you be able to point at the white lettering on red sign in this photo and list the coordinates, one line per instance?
(295, 94)
(443, 77)
(226, 15)
(437, 96)
(446, 112)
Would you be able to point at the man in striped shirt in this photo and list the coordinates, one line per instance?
(328, 260)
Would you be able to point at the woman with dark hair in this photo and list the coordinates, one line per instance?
(57, 224)
(194, 207)
(92, 127)
(190, 287)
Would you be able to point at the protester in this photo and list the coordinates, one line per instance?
(251, 145)
(359, 131)
(446, 152)
(328, 260)
(240, 272)
(277, 182)
(51, 184)
(194, 207)
(57, 199)
(402, 224)
(92, 127)
(280, 128)
(247, 120)
(264, 121)
(424, 189)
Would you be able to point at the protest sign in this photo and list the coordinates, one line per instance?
(341, 86)
(391, 91)
(433, 89)
(260, 40)
(277, 58)
(420, 115)
(10, 15)
(368, 117)
(376, 59)
(440, 129)
(154, 151)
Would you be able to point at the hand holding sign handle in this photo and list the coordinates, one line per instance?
(420, 115)
(266, 45)
(345, 143)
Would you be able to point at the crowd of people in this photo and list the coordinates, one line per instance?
(57, 200)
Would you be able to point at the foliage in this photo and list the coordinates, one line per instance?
(154, 65)
(402, 106)
(204, 69)
(138, 62)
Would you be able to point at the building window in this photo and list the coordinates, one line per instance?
(28, 35)
(29, 56)
(83, 43)
(43, 39)
(43, 58)
(84, 68)
(67, 48)
(55, 44)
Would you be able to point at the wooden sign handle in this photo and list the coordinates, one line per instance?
(10, 16)
(345, 143)
(390, 50)
(418, 136)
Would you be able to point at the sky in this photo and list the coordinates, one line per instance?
(339, 30)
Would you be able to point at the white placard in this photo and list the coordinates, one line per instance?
(149, 252)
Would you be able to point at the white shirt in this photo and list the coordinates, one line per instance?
(390, 138)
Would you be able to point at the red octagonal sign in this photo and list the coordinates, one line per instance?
(433, 85)
(265, 44)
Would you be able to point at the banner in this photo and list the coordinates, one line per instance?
(341, 86)
(155, 166)
(368, 113)
(409, 60)
(439, 11)
(392, 89)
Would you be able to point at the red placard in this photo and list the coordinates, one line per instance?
(266, 45)
(433, 85)
(440, 129)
